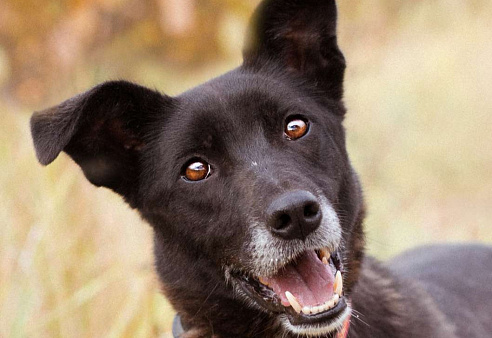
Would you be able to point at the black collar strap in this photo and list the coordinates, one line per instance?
(177, 327)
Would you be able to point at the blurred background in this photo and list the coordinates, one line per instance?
(76, 262)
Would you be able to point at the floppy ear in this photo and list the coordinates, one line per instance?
(301, 36)
(104, 130)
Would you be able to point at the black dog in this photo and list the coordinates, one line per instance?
(256, 211)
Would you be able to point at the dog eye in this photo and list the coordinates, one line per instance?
(197, 170)
(296, 128)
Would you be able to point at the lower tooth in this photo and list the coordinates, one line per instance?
(293, 302)
(312, 310)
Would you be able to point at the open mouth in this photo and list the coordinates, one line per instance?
(308, 290)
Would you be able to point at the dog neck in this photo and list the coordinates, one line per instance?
(385, 305)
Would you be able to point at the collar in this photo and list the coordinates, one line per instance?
(178, 329)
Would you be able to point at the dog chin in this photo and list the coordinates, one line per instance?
(316, 329)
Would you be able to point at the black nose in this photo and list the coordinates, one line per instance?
(294, 215)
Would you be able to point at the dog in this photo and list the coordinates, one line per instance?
(256, 211)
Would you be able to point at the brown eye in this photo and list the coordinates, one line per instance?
(197, 170)
(296, 128)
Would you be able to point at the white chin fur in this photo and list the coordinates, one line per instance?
(316, 330)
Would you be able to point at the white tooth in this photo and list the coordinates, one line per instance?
(324, 307)
(331, 303)
(336, 298)
(306, 310)
(325, 261)
(338, 285)
(293, 302)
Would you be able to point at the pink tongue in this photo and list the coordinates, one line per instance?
(309, 280)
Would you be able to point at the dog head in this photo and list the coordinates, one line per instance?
(245, 179)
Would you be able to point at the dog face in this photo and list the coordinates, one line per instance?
(244, 179)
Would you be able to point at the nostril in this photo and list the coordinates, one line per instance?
(311, 210)
(283, 221)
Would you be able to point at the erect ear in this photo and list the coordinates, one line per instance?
(301, 36)
(104, 130)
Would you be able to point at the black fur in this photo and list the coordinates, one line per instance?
(136, 142)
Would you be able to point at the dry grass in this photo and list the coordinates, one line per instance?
(76, 262)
